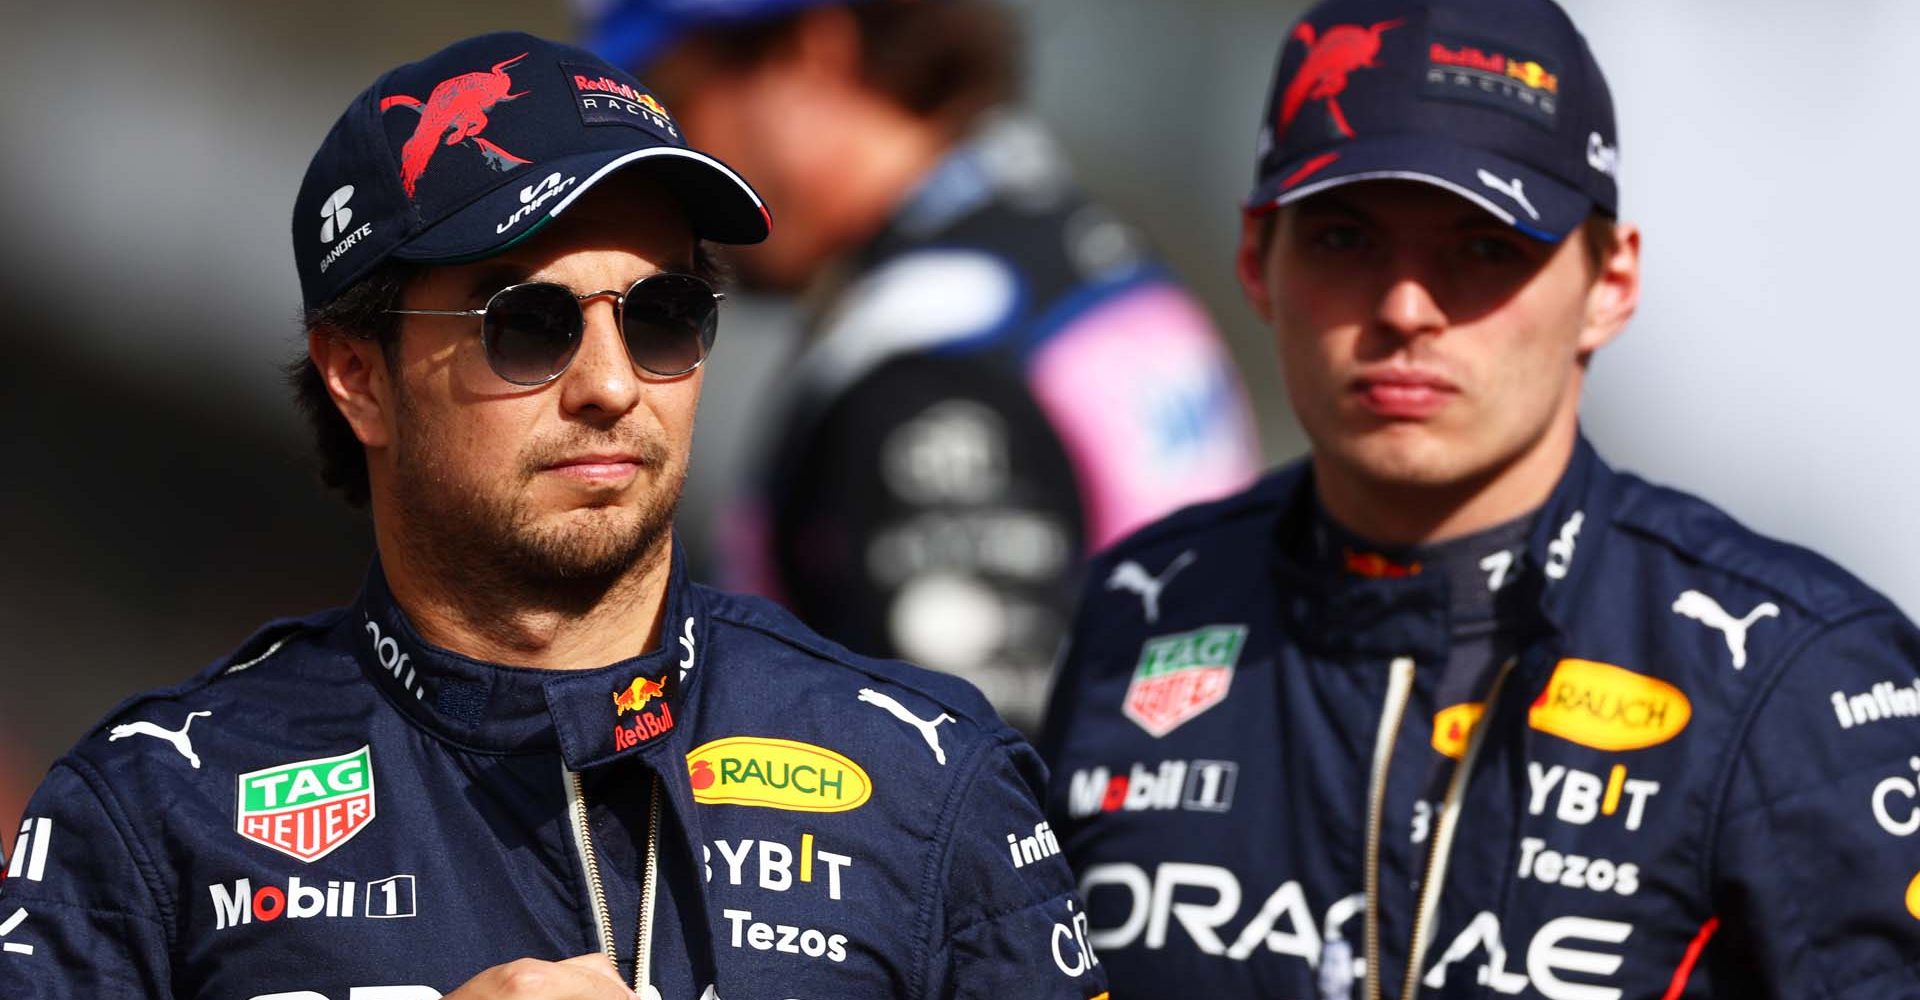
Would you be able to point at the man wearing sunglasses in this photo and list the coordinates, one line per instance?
(531, 759)
(1452, 709)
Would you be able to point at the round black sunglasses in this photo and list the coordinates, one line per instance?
(532, 330)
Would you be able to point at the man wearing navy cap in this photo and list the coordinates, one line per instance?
(998, 378)
(531, 759)
(1451, 708)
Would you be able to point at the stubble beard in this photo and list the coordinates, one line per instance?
(497, 550)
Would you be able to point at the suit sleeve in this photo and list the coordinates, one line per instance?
(1012, 923)
(1817, 865)
(78, 917)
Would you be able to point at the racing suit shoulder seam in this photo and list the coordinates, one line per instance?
(264, 644)
(1737, 747)
(938, 859)
(1857, 597)
(116, 814)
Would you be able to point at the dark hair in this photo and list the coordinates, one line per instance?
(946, 62)
(1601, 232)
(361, 312)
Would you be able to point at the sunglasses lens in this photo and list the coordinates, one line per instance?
(531, 332)
(670, 322)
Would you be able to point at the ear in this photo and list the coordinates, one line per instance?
(1615, 292)
(354, 370)
(1250, 261)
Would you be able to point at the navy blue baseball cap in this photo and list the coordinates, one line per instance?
(471, 150)
(1497, 101)
(633, 33)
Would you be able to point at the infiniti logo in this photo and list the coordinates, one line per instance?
(533, 196)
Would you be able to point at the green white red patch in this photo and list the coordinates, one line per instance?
(307, 808)
(1181, 675)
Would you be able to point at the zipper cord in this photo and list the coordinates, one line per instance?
(590, 863)
(643, 943)
(1399, 688)
(1446, 824)
(597, 889)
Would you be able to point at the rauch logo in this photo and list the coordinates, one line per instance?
(1606, 707)
(308, 808)
(776, 774)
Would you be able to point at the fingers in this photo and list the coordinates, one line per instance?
(585, 977)
(594, 963)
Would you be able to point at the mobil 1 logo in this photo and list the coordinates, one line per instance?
(1192, 785)
(244, 902)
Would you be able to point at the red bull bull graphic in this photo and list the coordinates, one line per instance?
(1375, 566)
(646, 724)
(1332, 56)
(637, 694)
(455, 113)
(308, 808)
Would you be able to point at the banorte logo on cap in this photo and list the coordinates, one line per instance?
(455, 113)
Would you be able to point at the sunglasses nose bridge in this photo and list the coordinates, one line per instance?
(619, 299)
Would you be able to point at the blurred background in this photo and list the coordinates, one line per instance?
(161, 498)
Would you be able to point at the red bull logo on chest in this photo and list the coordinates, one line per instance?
(646, 725)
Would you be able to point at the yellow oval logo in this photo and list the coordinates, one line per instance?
(1453, 725)
(776, 774)
(1913, 897)
(1606, 707)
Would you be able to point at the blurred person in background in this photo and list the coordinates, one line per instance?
(530, 736)
(997, 378)
(1451, 708)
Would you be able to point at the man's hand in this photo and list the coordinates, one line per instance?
(588, 977)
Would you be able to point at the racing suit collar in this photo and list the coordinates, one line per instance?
(589, 716)
(1348, 616)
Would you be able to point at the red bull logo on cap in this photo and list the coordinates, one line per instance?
(1526, 71)
(1489, 75)
(455, 114)
(1332, 55)
(605, 100)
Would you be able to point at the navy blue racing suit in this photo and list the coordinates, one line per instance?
(342, 811)
(1696, 778)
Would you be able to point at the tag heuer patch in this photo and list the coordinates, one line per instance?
(307, 808)
(1181, 675)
